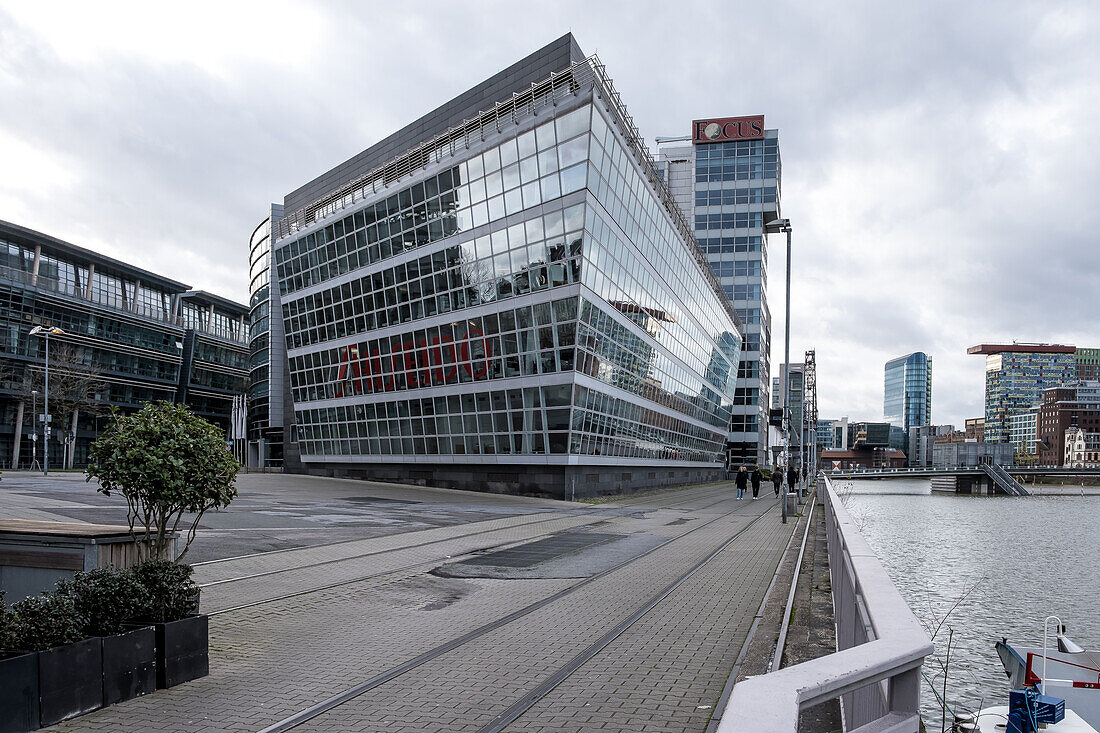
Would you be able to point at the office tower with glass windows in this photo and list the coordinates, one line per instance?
(504, 296)
(129, 336)
(907, 401)
(728, 181)
(1015, 377)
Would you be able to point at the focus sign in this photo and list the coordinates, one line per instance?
(727, 128)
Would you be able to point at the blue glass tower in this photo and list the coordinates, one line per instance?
(907, 401)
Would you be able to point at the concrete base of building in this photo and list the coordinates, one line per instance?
(551, 482)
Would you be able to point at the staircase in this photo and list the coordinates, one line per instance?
(1003, 481)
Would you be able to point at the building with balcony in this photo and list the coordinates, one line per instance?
(132, 335)
(504, 296)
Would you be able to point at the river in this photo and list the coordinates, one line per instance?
(1007, 562)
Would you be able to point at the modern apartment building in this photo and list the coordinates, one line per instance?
(1022, 430)
(504, 296)
(728, 179)
(1015, 377)
(129, 336)
(907, 393)
(1088, 363)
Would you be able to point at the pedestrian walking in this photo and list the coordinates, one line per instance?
(742, 482)
(792, 479)
(777, 478)
(756, 477)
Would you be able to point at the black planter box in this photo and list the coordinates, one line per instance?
(182, 650)
(129, 665)
(18, 693)
(70, 680)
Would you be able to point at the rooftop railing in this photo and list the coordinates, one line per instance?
(588, 74)
(880, 649)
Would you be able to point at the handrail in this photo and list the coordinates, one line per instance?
(881, 647)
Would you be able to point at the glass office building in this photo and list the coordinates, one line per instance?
(907, 401)
(1015, 377)
(512, 304)
(728, 183)
(133, 337)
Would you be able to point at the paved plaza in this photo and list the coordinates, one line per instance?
(359, 606)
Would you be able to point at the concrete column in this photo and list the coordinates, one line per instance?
(137, 297)
(18, 434)
(210, 320)
(244, 327)
(88, 285)
(37, 263)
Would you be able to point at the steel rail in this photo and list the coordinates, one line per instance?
(382, 678)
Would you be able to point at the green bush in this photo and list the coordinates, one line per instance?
(170, 594)
(165, 461)
(106, 598)
(43, 622)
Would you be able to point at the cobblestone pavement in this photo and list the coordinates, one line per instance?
(272, 660)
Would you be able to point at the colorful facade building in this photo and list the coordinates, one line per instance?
(1015, 377)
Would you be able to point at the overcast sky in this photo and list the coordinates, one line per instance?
(940, 159)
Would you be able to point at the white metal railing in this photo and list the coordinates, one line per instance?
(880, 649)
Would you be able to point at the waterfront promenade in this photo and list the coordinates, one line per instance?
(413, 609)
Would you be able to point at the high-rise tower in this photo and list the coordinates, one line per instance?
(728, 180)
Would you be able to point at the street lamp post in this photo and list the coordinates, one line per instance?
(46, 333)
(776, 227)
(34, 429)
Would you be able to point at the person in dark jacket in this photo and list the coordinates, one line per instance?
(742, 480)
(777, 479)
(756, 477)
(792, 478)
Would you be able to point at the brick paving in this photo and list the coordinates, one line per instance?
(272, 660)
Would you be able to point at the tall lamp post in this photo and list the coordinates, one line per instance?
(34, 430)
(46, 332)
(783, 226)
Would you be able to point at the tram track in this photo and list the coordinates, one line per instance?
(595, 511)
(563, 672)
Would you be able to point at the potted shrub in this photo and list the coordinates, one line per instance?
(107, 598)
(171, 600)
(167, 463)
(18, 679)
(70, 680)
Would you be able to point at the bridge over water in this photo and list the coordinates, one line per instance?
(981, 479)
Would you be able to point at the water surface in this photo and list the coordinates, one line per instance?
(1007, 562)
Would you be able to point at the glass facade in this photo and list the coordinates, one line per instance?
(267, 353)
(139, 336)
(731, 190)
(907, 393)
(531, 296)
(1014, 382)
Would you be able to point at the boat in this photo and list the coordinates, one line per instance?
(1059, 685)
